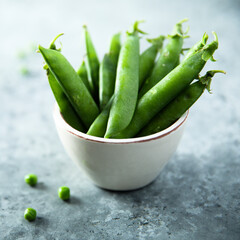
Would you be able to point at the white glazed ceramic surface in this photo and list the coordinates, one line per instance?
(120, 164)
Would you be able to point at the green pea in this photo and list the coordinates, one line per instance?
(31, 179)
(64, 193)
(30, 214)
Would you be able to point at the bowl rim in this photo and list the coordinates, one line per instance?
(59, 120)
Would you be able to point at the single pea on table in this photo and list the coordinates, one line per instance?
(64, 193)
(30, 214)
(31, 179)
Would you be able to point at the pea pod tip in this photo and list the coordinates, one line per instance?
(39, 48)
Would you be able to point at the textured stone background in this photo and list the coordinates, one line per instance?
(197, 196)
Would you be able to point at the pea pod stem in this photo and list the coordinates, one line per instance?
(167, 60)
(177, 107)
(126, 87)
(167, 89)
(207, 78)
(52, 44)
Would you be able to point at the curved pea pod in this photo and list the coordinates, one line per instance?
(176, 108)
(92, 64)
(65, 107)
(167, 60)
(82, 73)
(126, 86)
(167, 89)
(99, 126)
(107, 71)
(72, 85)
(147, 58)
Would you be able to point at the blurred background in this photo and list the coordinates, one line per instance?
(29, 142)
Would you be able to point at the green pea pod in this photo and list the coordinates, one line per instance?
(107, 71)
(72, 85)
(99, 126)
(167, 60)
(167, 89)
(66, 109)
(126, 87)
(82, 73)
(115, 47)
(107, 75)
(92, 64)
(147, 58)
(64, 105)
(176, 108)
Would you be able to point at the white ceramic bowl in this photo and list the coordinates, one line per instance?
(120, 164)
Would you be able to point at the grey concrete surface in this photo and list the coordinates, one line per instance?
(196, 196)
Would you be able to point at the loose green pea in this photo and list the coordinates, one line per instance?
(30, 214)
(31, 179)
(64, 193)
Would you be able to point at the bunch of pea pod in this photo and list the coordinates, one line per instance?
(130, 94)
